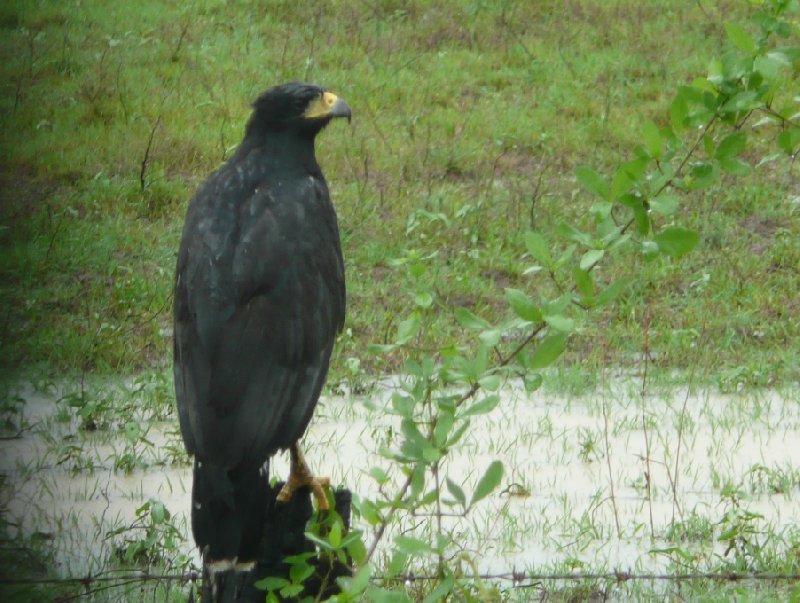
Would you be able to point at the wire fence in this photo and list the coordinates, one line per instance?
(93, 584)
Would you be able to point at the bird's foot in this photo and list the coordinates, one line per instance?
(300, 476)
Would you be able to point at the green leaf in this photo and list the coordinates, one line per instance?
(676, 241)
(591, 257)
(444, 588)
(423, 300)
(158, 513)
(583, 280)
(379, 475)
(271, 583)
(652, 139)
(566, 256)
(740, 38)
(642, 220)
(548, 351)
(403, 404)
(381, 348)
(334, 536)
(558, 305)
(292, 590)
(664, 204)
(490, 337)
(533, 381)
(744, 100)
(415, 443)
(630, 200)
(785, 54)
(770, 66)
(489, 481)
(456, 492)
(490, 382)
(417, 480)
(523, 305)
(320, 542)
(444, 424)
(621, 183)
(592, 181)
(538, 247)
(649, 250)
(735, 166)
(468, 320)
(560, 323)
(357, 583)
(731, 145)
(480, 362)
(369, 512)
(701, 175)
(132, 431)
(408, 328)
(613, 291)
(412, 546)
(457, 433)
(482, 407)
(431, 455)
(678, 111)
(708, 145)
(636, 168)
(298, 572)
(397, 563)
(789, 140)
(574, 234)
(356, 549)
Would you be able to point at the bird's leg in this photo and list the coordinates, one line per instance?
(299, 476)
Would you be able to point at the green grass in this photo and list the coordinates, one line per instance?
(469, 120)
(468, 124)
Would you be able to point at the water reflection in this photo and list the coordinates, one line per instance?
(672, 459)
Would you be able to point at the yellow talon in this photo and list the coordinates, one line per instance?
(300, 476)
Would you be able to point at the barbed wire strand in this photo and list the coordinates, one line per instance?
(512, 576)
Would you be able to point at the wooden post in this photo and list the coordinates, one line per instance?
(283, 535)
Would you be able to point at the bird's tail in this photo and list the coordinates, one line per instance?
(228, 511)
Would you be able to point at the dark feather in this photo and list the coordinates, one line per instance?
(259, 299)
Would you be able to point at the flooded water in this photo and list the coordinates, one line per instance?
(598, 481)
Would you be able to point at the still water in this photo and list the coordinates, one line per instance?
(598, 481)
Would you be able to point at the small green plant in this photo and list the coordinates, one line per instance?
(92, 409)
(589, 446)
(773, 481)
(741, 532)
(136, 443)
(152, 539)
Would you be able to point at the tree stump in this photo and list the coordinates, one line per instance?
(283, 535)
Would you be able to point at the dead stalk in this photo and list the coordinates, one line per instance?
(608, 462)
(143, 172)
(643, 395)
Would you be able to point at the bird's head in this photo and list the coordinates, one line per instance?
(304, 108)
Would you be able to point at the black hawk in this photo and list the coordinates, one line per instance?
(259, 300)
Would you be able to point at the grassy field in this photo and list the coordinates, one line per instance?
(469, 119)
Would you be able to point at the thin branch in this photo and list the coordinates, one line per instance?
(143, 172)
(474, 388)
(681, 419)
(648, 471)
(608, 464)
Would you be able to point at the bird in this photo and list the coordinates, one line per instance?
(259, 299)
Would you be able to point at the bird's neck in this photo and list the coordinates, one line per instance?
(283, 150)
